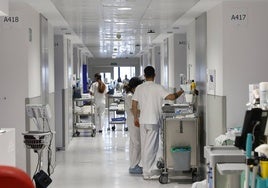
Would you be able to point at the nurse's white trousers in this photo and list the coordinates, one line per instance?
(99, 116)
(134, 145)
(149, 147)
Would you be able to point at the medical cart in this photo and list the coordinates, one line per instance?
(179, 132)
(83, 107)
(116, 111)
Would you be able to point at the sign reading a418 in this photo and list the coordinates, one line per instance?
(11, 19)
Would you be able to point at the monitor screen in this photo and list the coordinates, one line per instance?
(254, 123)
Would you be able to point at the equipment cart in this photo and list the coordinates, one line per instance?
(116, 111)
(179, 132)
(83, 107)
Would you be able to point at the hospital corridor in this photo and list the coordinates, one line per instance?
(133, 94)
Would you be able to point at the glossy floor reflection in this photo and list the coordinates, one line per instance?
(101, 162)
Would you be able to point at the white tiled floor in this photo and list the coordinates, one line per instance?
(100, 162)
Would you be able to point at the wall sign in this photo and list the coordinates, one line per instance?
(211, 81)
(11, 19)
(238, 16)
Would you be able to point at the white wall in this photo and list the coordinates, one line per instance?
(191, 60)
(63, 90)
(245, 55)
(180, 59)
(215, 46)
(157, 64)
(51, 58)
(162, 49)
(171, 61)
(237, 50)
(17, 78)
(60, 85)
(177, 60)
(4, 8)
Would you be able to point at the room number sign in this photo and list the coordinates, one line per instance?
(11, 19)
(238, 16)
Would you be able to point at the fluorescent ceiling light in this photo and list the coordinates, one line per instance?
(124, 8)
(120, 23)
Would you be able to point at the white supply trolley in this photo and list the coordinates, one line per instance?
(79, 110)
(116, 111)
(179, 132)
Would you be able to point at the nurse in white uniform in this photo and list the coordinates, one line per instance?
(98, 89)
(149, 96)
(134, 132)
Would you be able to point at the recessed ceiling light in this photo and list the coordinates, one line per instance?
(124, 8)
(120, 23)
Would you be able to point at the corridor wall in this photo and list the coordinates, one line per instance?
(237, 51)
(20, 75)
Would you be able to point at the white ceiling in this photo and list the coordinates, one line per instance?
(105, 30)
(95, 24)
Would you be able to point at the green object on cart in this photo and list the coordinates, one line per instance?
(180, 149)
(181, 156)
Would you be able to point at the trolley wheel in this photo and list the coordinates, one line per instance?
(160, 164)
(113, 128)
(77, 133)
(195, 175)
(163, 178)
(93, 134)
(126, 128)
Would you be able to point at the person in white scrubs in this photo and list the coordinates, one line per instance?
(98, 89)
(149, 96)
(134, 132)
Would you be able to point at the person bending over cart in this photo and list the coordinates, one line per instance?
(149, 96)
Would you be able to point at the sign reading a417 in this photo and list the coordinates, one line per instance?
(238, 17)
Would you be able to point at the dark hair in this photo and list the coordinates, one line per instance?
(149, 72)
(97, 76)
(133, 83)
(101, 85)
